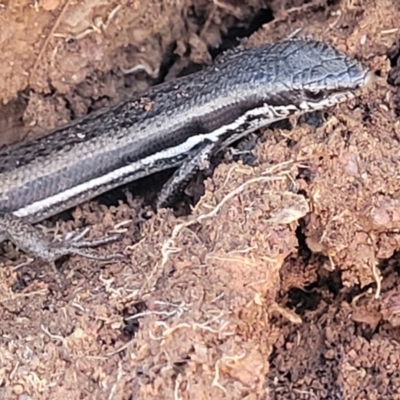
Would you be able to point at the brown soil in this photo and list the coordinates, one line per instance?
(283, 281)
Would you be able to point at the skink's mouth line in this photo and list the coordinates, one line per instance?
(329, 101)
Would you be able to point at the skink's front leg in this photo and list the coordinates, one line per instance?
(197, 161)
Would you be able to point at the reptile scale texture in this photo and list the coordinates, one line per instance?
(173, 125)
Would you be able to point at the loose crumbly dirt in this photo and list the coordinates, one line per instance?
(282, 283)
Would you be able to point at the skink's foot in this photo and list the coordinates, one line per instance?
(75, 241)
(33, 242)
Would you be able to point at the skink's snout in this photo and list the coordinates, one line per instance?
(356, 75)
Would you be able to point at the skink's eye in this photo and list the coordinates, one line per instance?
(316, 96)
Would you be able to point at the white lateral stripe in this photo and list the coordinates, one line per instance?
(184, 147)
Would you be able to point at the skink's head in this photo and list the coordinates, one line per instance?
(312, 75)
(326, 75)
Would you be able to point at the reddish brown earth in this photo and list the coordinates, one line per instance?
(282, 283)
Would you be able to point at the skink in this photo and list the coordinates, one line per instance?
(173, 125)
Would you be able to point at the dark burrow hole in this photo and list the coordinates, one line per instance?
(302, 300)
(317, 304)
